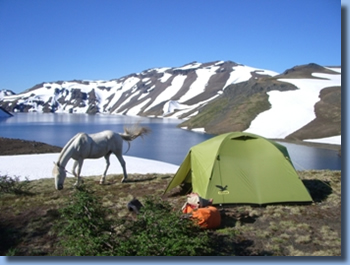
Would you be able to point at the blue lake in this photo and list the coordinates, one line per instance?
(166, 142)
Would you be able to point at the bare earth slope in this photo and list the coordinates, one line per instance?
(18, 147)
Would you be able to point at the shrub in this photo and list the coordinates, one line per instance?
(161, 231)
(83, 228)
(14, 185)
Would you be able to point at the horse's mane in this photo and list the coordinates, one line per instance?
(64, 150)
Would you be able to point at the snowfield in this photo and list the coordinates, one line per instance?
(291, 110)
(170, 91)
(40, 166)
(327, 140)
(200, 84)
(241, 73)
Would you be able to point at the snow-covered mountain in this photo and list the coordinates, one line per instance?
(4, 93)
(154, 92)
(227, 89)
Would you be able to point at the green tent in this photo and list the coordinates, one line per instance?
(241, 167)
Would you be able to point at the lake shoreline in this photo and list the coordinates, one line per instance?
(19, 146)
(335, 147)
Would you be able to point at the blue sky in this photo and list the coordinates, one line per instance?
(49, 40)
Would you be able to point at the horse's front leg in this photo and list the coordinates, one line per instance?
(79, 164)
(122, 163)
(103, 177)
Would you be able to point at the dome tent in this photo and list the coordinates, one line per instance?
(240, 167)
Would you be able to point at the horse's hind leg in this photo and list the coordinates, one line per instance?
(103, 177)
(122, 163)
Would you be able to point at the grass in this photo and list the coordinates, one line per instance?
(229, 113)
(27, 219)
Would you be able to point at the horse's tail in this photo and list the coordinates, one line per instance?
(133, 132)
(128, 147)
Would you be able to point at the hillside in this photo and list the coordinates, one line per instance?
(27, 218)
(4, 113)
(18, 147)
(213, 97)
(238, 105)
(296, 105)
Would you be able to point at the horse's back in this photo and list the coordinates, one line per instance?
(102, 134)
(105, 142)
(94, 145)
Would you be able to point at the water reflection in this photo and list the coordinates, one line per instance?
(305, 157)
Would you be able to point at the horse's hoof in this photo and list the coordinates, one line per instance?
(123, 180)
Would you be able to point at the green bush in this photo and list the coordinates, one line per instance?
(14, 186)
(157, 231)
(83, 228)
(161, 231)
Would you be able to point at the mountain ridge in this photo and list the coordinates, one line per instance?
(234, 94)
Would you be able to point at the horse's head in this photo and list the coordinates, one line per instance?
(59, 174)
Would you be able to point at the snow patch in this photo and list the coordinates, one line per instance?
(219, 63)
(189, 66)
(170, 91)
(327, 140)
(291, 110)
(335, 69)
(242, 73)
(172, 105)
(200, 130)
(136, 109)
(40, 166)
(161, 70)
(165, 77)
(199, 85)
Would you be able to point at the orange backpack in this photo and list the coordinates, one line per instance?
(207, 217)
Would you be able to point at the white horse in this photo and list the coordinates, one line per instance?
(83, 146)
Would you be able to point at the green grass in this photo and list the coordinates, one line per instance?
(229, 114)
